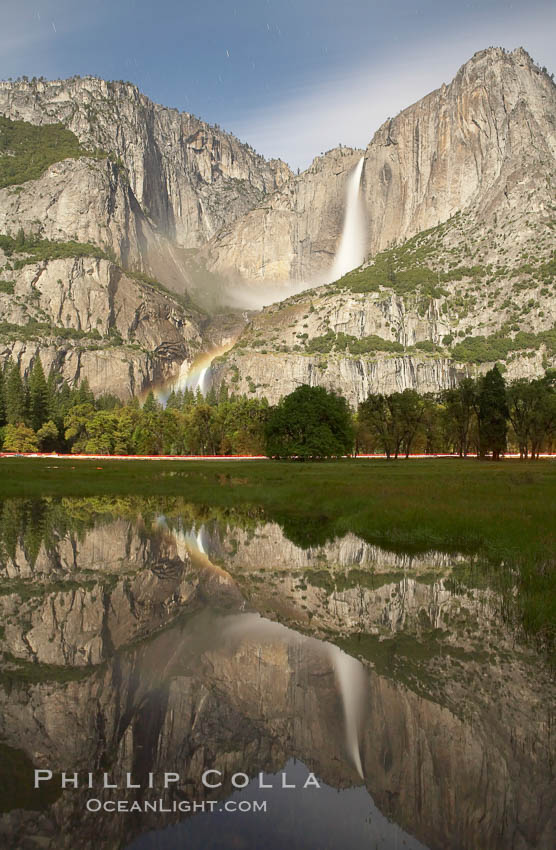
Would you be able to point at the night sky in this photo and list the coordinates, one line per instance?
(293, 78)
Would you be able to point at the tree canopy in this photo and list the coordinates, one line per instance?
(310, 422)
(480, 415)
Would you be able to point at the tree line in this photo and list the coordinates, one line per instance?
(484, 416)
(45, 414)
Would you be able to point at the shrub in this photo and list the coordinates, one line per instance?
(27, 150)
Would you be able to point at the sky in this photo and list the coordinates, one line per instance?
(293, 78)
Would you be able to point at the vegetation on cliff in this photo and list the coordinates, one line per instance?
(27, 150)
(35, 249)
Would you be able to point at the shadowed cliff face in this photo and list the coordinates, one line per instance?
(126, 649)
(189, 178)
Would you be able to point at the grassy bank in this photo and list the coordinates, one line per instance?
(501, 512)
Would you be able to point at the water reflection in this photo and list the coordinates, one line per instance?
(150, 636)
(315, 820)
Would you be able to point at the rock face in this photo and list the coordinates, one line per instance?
(464, 146)
(88, 319)
(273, 375)
(189, 178)
(293, 235)
(165, 184)
(458, 201)
(90, 201)
(459, 212)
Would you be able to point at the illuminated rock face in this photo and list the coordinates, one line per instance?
(464, 146)
(169, 183)
(449, 723)
(188, 178)
(294, 234)
(192, 207)
(477, 144)
(276, 375)
(463, 171)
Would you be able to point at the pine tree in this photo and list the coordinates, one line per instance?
(223, 394)
(60, 403)
(151, 405)
(188, 399)
(83, 395)
(39, 397)
(171, 402)
(211, 398)
(2, 402)
(15, 396)
(493, 414)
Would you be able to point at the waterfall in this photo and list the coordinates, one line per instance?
(350, 254)
(193, 375)
(351, 680)
(351, 250)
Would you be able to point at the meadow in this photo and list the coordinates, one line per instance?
(500, 514)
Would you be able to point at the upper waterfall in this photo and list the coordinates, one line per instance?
(351, 250)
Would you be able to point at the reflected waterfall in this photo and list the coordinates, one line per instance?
(352, 680)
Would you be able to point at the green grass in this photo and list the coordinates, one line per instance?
(502, 512)
(27, 150)
(43, 249)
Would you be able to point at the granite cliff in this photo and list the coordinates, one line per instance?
(459, 201)
(459, 210)
(466, 146)
(144, 185)
(189, 178)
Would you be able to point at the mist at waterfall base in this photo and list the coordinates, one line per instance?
(350, 254)
(254, 296)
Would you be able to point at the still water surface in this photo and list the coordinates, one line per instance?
(145, 636)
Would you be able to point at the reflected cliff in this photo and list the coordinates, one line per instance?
(152, 636)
